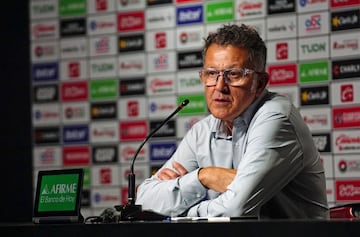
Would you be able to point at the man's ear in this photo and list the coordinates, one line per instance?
(261, 83)
(263, 80)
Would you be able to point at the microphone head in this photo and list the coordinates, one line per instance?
(185, 102)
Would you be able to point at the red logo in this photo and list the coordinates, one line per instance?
(39, 51)
(346, 117)
(347, 93)
(345, 142)
(41, 30)
(283, 74)
(133, 131)
(246, 7)
(128, 153)
(101, 5)
(76, 156)
(282, 51)
(347, 190)
(184, 1)
(342, 165)
(161, 85)
(74, 91)
(133, 108)
(132, 21)
(74, 69)
(336, 70)
(183, 37)
(160, 40)
(343, 3)
(105, 176)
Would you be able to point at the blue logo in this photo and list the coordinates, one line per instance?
(189, 15)
(97, 197)
(45, 72)
(162, 151)
(93, 25)
(76, 134)
(303, 3)
(38, 115)
(153, 107)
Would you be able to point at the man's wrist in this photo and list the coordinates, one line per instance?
(201, 177)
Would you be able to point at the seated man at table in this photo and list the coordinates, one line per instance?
(252, 156)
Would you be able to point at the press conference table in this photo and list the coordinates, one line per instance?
(303, 228)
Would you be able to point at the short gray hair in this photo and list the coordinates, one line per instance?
(241, 36)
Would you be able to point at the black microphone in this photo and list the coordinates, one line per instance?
(130, 211)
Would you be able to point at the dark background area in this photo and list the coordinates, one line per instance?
(15, 117)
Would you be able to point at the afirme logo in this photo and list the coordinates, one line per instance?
(58, 192)
(59, 189)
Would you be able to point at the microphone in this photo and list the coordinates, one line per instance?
(130, 211)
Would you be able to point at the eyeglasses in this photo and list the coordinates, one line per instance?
(232, 76)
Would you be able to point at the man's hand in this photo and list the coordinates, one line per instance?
(216, 178)
(167, 174)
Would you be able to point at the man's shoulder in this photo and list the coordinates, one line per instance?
(207, 122)
(278, 103)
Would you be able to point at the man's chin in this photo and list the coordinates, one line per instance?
(221, 115)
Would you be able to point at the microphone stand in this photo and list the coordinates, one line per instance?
(131, 211)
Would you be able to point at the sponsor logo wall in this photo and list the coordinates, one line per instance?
(105, 73)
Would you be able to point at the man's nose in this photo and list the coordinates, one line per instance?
(221, 82)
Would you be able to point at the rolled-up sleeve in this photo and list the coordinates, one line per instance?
(171, 197)
(174, 197)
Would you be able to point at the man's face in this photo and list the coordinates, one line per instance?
(228, 102)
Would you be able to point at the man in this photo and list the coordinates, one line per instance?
(252, 156)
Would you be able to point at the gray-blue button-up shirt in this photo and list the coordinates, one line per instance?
(279, 172)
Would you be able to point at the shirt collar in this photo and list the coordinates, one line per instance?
(220, 130)
(248, 114)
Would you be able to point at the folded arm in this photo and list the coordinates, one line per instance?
(205, 185)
